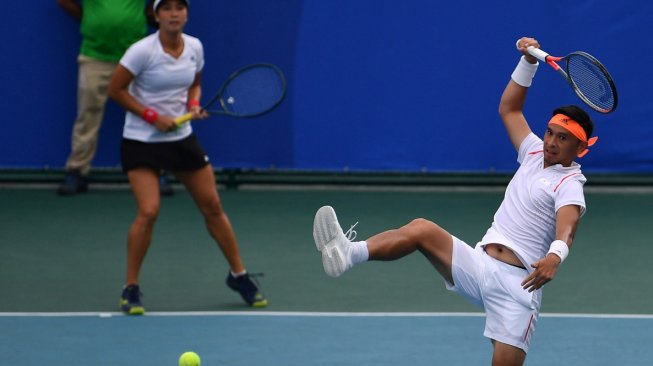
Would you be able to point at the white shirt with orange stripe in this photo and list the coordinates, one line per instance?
(525, 221)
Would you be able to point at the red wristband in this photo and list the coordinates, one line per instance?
(150, 115)
(192, 103)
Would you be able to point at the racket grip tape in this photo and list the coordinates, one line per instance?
(183, 118)
(537, 53)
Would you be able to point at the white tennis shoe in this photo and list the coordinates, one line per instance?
(335, 246)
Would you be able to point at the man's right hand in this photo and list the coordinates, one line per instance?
(523, 44)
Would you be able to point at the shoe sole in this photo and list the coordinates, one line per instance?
(260, 304)
(256, 304)
(134, 310)
(325, 227)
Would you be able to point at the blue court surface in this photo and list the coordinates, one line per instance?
(305, 339)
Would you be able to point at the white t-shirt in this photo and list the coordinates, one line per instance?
(160, 82)
(525, 221)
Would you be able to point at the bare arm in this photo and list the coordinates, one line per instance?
(195, 90)
(512, 102)
(71, 7)
(194, 94)
(119, 92)
(567, 220)
(510, 110)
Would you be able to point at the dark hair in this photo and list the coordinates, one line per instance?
(579, 115)
(149, 15)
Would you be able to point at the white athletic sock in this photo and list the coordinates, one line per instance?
(359, 252)
(236, 275)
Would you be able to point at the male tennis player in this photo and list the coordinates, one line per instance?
(530, 237)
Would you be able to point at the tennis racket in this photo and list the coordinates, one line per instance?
(248, 92)
(586, 76)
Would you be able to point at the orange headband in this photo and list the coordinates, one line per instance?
(575, 128)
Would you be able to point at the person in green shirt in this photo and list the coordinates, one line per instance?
(108, 28)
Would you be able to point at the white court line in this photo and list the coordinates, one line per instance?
(314, 314)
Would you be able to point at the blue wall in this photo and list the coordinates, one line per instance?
(374, 85)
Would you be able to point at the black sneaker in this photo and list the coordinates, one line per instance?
(72, 184)
(247, 290)
(165, 188)
(130, 301)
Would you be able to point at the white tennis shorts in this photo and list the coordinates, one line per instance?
(511, 312)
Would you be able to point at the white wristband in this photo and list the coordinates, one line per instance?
(559, 248)
(524, 72)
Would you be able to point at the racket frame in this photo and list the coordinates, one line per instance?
(553, 62)
(218, 97)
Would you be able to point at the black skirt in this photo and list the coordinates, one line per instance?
(183, 155)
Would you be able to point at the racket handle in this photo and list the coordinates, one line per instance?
(183, 118)
(537, 53)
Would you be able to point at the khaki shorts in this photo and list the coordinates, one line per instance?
(511, 312)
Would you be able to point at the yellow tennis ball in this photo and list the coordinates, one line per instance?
(189, 359)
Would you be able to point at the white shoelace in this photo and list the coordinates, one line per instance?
(351, 233)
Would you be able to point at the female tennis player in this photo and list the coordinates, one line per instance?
(530, 237)
(157, 79)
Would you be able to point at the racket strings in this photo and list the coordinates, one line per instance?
(591, 82)
(253, 91)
